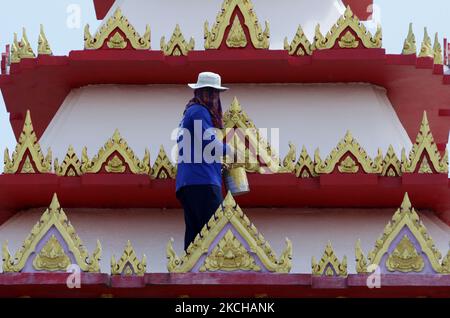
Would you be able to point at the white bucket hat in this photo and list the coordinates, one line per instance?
(208, 79)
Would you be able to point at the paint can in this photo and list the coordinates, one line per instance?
(236, 180)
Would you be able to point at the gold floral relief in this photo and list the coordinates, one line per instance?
(392, 167)
(229, 255)
(129, 264)
(163, 168)
(424, 156)
(177, 45)
(71, 165)
(116, 40)
(329, 264)
(410, 47)
(117, 146)
(52, 256)
(300, 44)
(304, 167)
(347, 22)
(405, 258)
(236, 36)
(29, 152)
(214, 37)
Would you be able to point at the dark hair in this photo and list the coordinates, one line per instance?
(209, 98)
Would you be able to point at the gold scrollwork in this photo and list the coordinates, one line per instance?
(329, 264)
(55, 217)
(51, 257)
(236, 36)
(289, 162)
(43, 45)
(163, 168)
(229, 213)
(117, 21)
(361, 262)
(29, 152)
(115, 145)
(405, 258)
(410, 47)
(71, 165)
(392, 167)
(129, 263)
(305, 166)
(215, 36)
(348, 40)
(300, 45)
(177, 45)
(426, 49)
(345, 146)
(425, 153)
(21, 50)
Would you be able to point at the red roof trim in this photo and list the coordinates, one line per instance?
(102, 7)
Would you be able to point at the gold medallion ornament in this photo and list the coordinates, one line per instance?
(437, 49)
(116, 40)
(21, 50)
(43, 45)
(347, 22)
(329, 264)
(300, 45)
(229, 255)
(305, 166)
(51, 256)
(214, 37)
(28, 151)
(392, 166)
(405, 258)
(426, 49)
(410, 47)
(177, 45)
(129, 264)
(424, 156)
(71, 165)
(346, 146)
(163, 168)
(115, 146)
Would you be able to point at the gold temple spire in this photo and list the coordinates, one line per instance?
(437, 49)
(426, 49)
(410, 47)
(177, 46)
(43, 45)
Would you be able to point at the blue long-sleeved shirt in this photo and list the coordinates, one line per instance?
(193, 167)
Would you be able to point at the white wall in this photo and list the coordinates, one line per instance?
(316, 115)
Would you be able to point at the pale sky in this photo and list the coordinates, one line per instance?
(394, 16)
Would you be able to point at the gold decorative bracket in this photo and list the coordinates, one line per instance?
(129, 264)
(21, 50)
(437, 49)
(109, 33)
(426, 49)
(177, 45)
(410, 47)
(27, 157)
(329, 264)
(43, 45)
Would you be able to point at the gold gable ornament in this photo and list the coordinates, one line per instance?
(410, 47)
(348, 145)
(305, 166)
(177, 45)
(163, 168)
(300, 44)
(52, 256)
(426, 49)
(405, 258)
(329, 264)
(289, 162)
(116, 40)
(214, 37)
(128, 263)
(115, 145)
(424, 155)
(229, 255)
(71, 165)
(236, 36)
(43, 45)
(392, 167)
(347, 40)
(29, 152)
(437, 49)
(21, 50)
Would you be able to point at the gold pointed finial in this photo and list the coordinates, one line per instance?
(406, 203)
(43, 45)
(116, 136)
(300, 45)
(235, 105)
(229, 201)
(437, 49)
(426, 49)
(55, 206)
(26, 50)
(348, 12)
(410, 47)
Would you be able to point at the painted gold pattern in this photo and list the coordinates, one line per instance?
(445, 266)
(410, 47)
(117, 41)
(52, 257)
(115, 145)
(346, 146)
(163, 168)
(229, 213)
(392, 166)
(236, 36)
(348, 165)
(426, 49)
(229, 255)
(214, 37)
(348, 41)
(71, 165)
(21, 50)
(346, 22)
(300, 44)
(289, 162)
(129, 263)
(406, 216)
(120, 22)
(177, 45)
(405, 258)
(361, 262)
(437, 49)
(305, 166)
(28, 151)
(54, 216)
(425, 147)
(43, 44)
(329, 264)
(115, 165)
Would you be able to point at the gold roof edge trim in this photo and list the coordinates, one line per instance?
(177, 45)
(136, 267)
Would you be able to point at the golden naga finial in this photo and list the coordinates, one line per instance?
(300, 45)
(177, 45)
(290, 160)
(128, 264)
(361, 262)
(21, 50)
(116, 40)
(410, 47)
(329, 264)
(437, 49)
(426, 50)
(43, 45)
